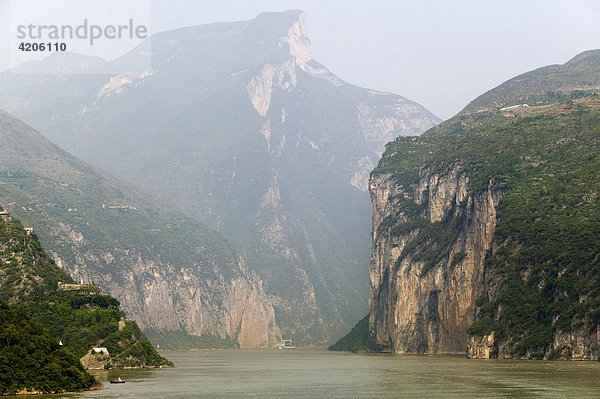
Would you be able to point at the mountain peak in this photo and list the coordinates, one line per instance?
(275, 150)
(548, 84)
(590, 57)
(62, 63)
(283, 19)
(289, 27)
(298, 41)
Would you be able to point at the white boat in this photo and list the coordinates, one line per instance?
(286, 344)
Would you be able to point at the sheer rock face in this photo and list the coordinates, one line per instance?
(95, 361)
(163, 297)
(576, 345)
(418, 310)
(298, 42)
(380, 117)
(481, 347)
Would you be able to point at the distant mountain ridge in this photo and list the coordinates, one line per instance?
(544, 85)
(169, 272)
(237, 125)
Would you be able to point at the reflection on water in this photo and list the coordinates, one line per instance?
(314, 374)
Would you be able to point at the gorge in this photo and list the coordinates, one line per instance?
(237, 128)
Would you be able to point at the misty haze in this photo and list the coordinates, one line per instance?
(188, 183)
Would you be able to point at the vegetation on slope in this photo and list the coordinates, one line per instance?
(101, 227)
(82, 322)
(548, 235)
(31, 360)
(551, 84)
(357, 340)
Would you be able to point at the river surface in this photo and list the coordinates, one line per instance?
(294, 373)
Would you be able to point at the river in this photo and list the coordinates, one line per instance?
(294, 373)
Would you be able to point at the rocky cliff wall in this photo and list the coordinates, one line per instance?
(198, 299)
(427, 264)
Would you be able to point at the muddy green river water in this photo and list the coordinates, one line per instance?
(297, 373)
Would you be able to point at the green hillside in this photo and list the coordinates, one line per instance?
(357, 340)
(29, 281)
(31, 360)
(494, 217)
(554, 83)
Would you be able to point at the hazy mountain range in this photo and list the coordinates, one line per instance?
(169, 271)
(234, 125)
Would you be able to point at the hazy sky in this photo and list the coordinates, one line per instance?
(441, 54)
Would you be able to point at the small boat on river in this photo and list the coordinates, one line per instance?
(286, 344)
(118, 380)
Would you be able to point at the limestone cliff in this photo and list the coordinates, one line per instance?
(164, 296)
(424, 304)
(486, 230)
(380, 116)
